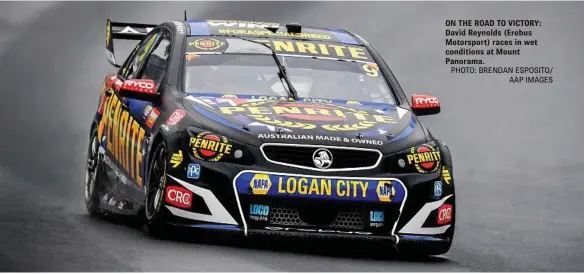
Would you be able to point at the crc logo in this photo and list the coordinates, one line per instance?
(322, 158)
(385, 191)
(260, 184)
(444, 214)
(179, 196)
(175, 117)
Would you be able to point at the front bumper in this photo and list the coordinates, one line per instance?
(223, 198)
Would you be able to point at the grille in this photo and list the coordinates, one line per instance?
(302, 156)
(291, 216)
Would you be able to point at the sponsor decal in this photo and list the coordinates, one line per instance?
(147, 110)
(124, 138)
(305, 116)
(324, 138)
(446, 175)
(438, 188)
(140, 85)
(376, 218)
(424, 101)
(354, 103)
(210, 147)
(191, 56)
(176, 159)
(320, 187)
(275, 228)
(165, 127)
(259, 212)
(318, 49)
(206, 44)
(371, 69)
(242, 24)
(444, 214)
(108, 34)
(385, 191)
(260, 184)
(175, 117)
(152, 117)
(425, 158)
(178, 196)
(193, 171)
(322, 158)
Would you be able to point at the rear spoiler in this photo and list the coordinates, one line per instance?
(123, 31)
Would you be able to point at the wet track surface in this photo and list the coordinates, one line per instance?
(517, 148)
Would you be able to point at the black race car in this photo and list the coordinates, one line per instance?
(267, 129)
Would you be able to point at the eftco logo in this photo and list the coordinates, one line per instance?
(444, 214)
(179, 196)
(260, 184)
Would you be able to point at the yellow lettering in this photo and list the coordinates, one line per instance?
(410, 158)
(354, 186)
(326, 187)
(303, 186)
(228, 149)
(280, 189)
(117, 130)
(340, 192)
(339, 113)
(303, 47)
(357, 52)
(291, 185)
(323, 49)
(280, 110)
(127, 145)
(259, 110)
(122, 139)
(422, 156)
(139, 156)
(338, 50)
(135, 128)
(364, 188)
(360, 116)
(283, 46)
(384, 119)
(316, 111)
(231, 110)
(314, 187)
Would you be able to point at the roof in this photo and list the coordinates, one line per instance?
(269, 30)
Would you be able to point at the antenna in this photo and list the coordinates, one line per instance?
(253, 18)
(185, 15)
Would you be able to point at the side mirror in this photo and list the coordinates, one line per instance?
(425, 104)
(141, 89)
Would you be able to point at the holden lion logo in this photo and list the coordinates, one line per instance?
(322, 158)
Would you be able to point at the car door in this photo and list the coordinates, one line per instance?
(150, 62)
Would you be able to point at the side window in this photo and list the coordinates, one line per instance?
(131, 67)
(156, 63)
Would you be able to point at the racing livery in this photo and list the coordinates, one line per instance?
(267, 129)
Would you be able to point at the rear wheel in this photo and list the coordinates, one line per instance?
(92, 175)
(155, 187)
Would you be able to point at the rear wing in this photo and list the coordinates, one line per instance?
(122, 31)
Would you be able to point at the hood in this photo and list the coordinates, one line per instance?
(305, 121)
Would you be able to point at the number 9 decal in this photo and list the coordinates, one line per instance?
(371, 70)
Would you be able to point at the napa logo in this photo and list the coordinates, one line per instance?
(260, 184)
(385, 191)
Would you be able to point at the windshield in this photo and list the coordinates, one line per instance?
(312, 77)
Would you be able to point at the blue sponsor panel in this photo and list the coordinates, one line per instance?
(320, 187)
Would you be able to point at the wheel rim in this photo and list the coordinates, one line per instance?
(91, 169)
(156, 180)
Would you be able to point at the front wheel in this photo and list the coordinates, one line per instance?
(154, 188)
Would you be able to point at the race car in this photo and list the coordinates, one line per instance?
(262, 128)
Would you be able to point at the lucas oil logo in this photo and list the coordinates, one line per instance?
(260, 184)
(425, 158)
(385, 191)
(210, 147)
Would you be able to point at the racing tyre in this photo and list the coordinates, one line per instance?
(155, 187)
(92, 175)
